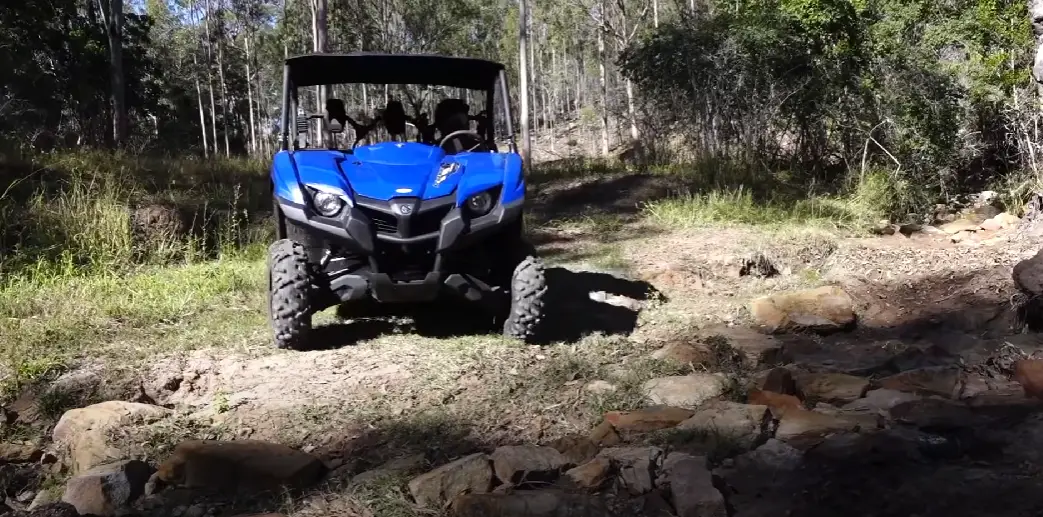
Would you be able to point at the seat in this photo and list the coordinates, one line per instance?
(394, 118)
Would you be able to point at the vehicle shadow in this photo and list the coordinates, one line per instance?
(577, 304)
(580, 303)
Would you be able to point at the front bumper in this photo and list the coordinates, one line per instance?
(370, 226)
(356, 230)
(380, 286)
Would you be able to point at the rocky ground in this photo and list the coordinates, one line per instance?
(710, 372)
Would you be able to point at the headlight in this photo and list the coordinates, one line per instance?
(480, 204)
(326, 203)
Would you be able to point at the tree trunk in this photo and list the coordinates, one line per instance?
(655, 13)
(523, 68)
(318, 21)
(112, 17)
(602, 58)
(210, 75)
(225, 105)
(250, 98)
(632, 112)
(202, 115)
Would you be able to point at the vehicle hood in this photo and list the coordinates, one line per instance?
(401, 169)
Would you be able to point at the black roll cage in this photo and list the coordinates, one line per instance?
(378, 68)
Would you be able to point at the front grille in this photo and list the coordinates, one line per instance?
(382, 222)
(429, 221)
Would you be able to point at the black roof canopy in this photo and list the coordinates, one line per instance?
(379, 68)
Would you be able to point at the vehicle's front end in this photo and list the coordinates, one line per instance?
(402, 243)
(399, 222)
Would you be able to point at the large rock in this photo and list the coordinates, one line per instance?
(19, 453)
(877, 401)
(805, 429)
(686, 390)
(636, 467)
(756, 348)
(826, 308)
(239, 466)
(1029, 374)
(576, 449)
(86, 433)
(647, 419)
(1028, 274)
(942, 381)
(834, 388)
(524, 464)
(106, 489)
(591, 475)
(691, 487)
(468, 475)
(527, 503)
(742, 424)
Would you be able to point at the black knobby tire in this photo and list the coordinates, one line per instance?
(528, 287)
(291, 294)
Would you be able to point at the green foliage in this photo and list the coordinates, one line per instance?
(832, 87)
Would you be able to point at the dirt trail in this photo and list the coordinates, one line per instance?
(400, 388)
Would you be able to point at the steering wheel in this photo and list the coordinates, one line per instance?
(461, 132)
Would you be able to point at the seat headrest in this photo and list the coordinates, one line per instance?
(395, 118)
(336, 115)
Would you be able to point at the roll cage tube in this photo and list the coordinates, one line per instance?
(284, 139)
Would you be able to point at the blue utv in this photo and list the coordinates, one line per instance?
(421, 210)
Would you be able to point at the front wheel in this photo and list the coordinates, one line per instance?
(291, 294)
(528, 287)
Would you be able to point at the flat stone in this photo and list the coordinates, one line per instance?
(935, 414)
(528, 503)
(648, 419)
(686, 390)
(86, 432)
(826, 308)
(691, 487)
(774, 454)
(390, 468)
(757, 348)
(636, 467)
(591, 475)
(804, 428)
(523, 464)
(778, 403)
(942, 381)
(684, 353)
(471, 474)
(106, 489)
(960, 225)
(833, 388)
(743, 424)
(599, 387)
(239, 466)
(879, 400)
